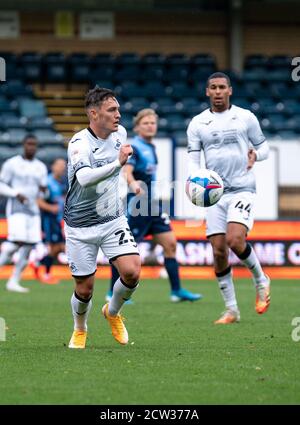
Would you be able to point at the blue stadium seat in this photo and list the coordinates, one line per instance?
(16, 88)
(48, 137)
(31, 63)
(14, 135)
(31, 108)
(13, 122)
(152, 72)
(175, 122)
(154, 89)
(103, 59)
(178, 90)
(128, 58)
(278, 62)
(127, 72)
(135, 104)
(164, 106)
(189, 106)
(258, 61)
(49, 153)
(55, 67)
(153, 59)
(129, 89)
(36, 123)
(79, 67)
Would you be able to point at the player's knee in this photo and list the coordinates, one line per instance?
(220, 253)
(235, 242)
(84, 287)
(170, 249)
(131, 273)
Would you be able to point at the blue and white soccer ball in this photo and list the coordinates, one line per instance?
(204, 187)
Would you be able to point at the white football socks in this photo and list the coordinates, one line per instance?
(121, 293)
(7, 250)
(24, 252)
(227, 289)
(253, 264)
(80, 310)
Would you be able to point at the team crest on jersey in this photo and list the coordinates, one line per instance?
(117, 145)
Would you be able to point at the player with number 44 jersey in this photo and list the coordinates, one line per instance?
(232, 140)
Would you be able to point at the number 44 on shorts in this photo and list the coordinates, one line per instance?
(241, 206)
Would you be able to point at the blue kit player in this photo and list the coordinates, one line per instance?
(140, 173)
(52, 214)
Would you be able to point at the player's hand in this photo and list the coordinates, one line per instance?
(54, 208)
(251, 158)
(125, 152)
(136, 188)
(21, 198)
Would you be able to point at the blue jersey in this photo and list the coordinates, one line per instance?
(144, 162)
(56, 195)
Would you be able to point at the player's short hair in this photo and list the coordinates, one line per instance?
(96, 96)
(29, 136)
(218, 75)
(143, 113)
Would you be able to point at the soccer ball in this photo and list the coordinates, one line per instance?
(204, 188)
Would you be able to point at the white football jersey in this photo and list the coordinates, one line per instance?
(99, 203)
(226, 137)
(27, 176)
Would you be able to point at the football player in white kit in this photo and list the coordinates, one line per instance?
(22, 178)
(232, 140)
(94, 215)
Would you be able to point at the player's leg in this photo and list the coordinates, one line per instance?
(24, 230)
(55, 242)
(216, 227)
(140, 228)
(168, 241)
(82, 257)
(120, 247)
(13, 284)
(240, 221)
(224, 278)
(8, 248)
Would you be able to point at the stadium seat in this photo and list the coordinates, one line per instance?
(36, 123)
(31, 63)
(13, 122)
(154, 89)
(129, 89)
(17, 88)
(153, 59)
(55, 67)
(135, 104)
(152, 72)
(164, 106)
(128, 58)
(127, 72)
(178, 90)
(50, 153)
(14, 136)
(189, 106)
(79, 67)
(48, 137)
(31, 108)
(258, 61)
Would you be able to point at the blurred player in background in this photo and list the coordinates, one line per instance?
(232, 141)
(140, 171)
(94, 214)
(52, 207)
(22, 179)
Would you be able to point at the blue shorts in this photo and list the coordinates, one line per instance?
(152, 225)
(52, 229)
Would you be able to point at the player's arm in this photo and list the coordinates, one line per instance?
(194, 147)
(47, 207)
(132, 183)
(9, 192)
(88, 176)
(260, 150)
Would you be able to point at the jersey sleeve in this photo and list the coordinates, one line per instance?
(132, 160)
(254, 132)
(6, 172)
(193, 137)
(44, 176)
(79, 155)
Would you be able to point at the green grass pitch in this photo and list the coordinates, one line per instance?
(176, 355)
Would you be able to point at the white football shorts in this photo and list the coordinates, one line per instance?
(24, 228)
(232, 207)
(82, 244)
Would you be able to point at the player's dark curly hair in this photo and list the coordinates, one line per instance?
(218, 75)
(96, 96)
